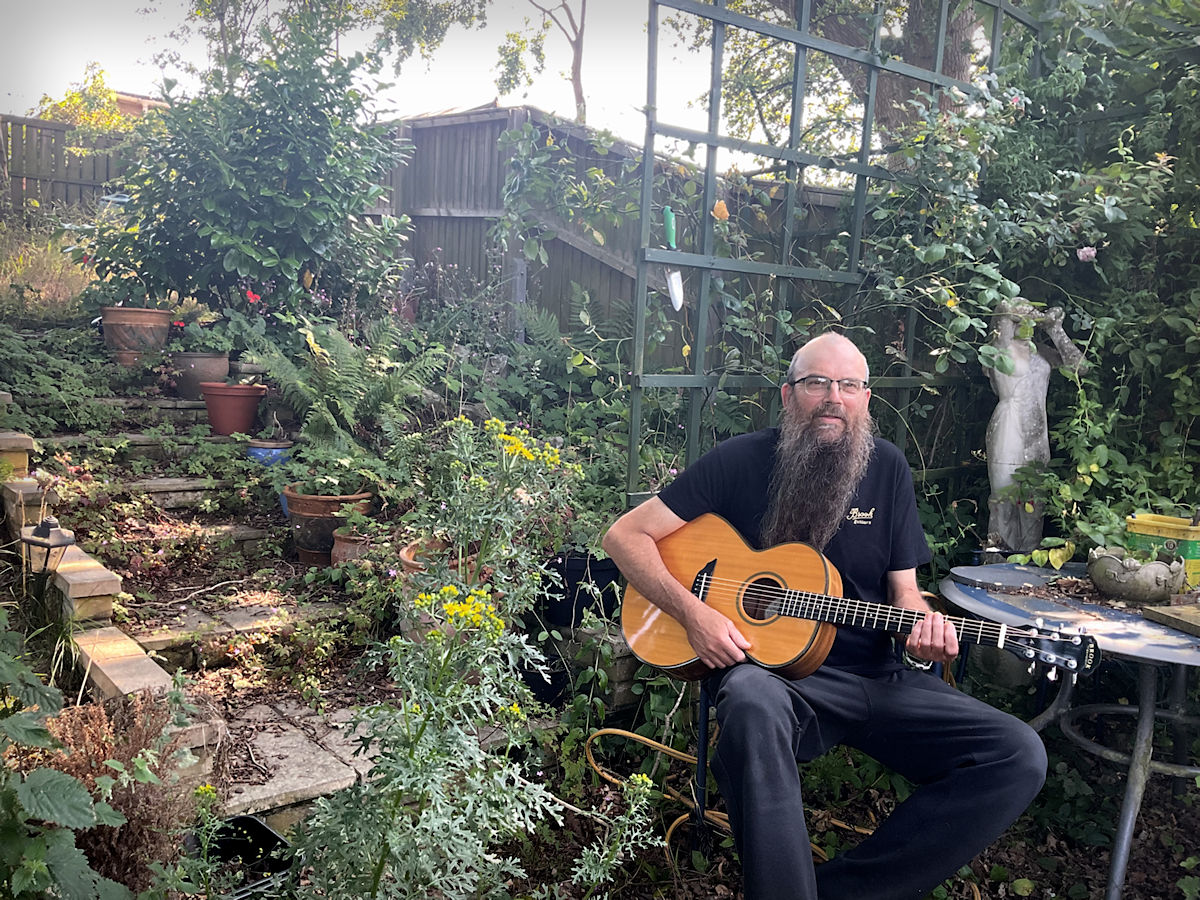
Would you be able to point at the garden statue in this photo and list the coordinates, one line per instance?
(1017, 433)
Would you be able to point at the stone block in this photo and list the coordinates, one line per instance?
(79, 576)
(18, 460)
(89, 609)
(176, 493)
(15, 441)
(23, 504)
(117, 665)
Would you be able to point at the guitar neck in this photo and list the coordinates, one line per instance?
(879, 616)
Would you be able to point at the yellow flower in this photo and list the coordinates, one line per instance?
(720, 211)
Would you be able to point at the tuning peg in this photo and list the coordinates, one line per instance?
(1052, 675)
(1071, 664)
(1039, 621)
(1032, 668)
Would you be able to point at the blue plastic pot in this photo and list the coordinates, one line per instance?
(268, 453)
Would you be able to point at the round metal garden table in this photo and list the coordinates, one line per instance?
(994, 593)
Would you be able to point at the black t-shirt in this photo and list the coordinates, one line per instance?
(881, 531)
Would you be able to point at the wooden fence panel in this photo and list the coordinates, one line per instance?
(44, 165)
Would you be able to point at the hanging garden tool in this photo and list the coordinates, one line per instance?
(674, 278)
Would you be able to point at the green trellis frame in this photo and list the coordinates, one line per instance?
(794, 158)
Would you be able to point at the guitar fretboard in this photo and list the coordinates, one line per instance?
(845, 611)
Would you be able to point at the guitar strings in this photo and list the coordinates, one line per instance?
(792, 603)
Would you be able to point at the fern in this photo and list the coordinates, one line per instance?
(542, 329)
(338, 388)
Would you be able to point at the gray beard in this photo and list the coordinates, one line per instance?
(814, 481)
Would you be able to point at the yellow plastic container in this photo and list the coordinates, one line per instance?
(1174, 535)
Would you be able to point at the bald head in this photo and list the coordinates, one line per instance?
(829, 346)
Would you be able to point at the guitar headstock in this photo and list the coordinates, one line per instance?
(1071, 651)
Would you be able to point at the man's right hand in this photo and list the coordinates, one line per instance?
(714, 637)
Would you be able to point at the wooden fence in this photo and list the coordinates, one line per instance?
(39, 163)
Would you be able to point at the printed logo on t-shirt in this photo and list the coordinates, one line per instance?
(858, 516)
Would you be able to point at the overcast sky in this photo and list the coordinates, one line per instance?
(50, 42)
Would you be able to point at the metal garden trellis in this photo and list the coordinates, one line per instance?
(795, 158)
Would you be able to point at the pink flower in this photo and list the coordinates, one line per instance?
(1086, 254)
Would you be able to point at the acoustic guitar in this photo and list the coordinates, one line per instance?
(787, 601)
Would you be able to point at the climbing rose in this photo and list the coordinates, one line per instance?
(1086, 254)
(720, 211)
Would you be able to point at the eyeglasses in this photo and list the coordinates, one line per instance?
(815, 385)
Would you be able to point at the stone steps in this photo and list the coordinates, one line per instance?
(138, 445)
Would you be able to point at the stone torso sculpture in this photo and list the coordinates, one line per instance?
(1017, 433)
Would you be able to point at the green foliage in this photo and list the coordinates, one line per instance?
(41, 810)
(90, 105)
(436, 804)
(628, 833)
(340, 389)
(38, 281)
(496, 495)
(251, 192)
(56, 379)
(214, 337)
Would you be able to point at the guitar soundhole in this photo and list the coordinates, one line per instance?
(762, 598)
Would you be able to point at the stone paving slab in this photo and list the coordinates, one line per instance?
(342, 740)
(176, 493)
(301, 770)
(186, 626)
(255, 617)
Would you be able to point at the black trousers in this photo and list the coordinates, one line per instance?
(975, 768)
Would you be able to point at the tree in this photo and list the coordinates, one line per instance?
(90, 105)
(235, 31)
(520, 45)
(757, 90)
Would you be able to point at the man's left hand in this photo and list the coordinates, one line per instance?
(933, 638)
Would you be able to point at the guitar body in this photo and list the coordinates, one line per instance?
(709, 556)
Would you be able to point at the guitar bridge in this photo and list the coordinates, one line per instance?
(703, 579)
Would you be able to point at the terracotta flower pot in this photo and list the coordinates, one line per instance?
(231, 407)
(348, 545)
(137, 330)
(413, 555)
(195, 368)
(314, 518)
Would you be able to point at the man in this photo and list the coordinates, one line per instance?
(822, 478)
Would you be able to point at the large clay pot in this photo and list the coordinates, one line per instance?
(314, 518)
(136, 330)
(231, 407)
(194, 368)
